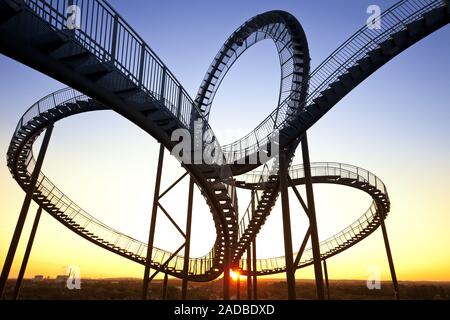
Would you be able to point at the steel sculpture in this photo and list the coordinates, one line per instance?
(108, 66)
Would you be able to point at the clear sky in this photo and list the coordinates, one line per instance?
(395, 124)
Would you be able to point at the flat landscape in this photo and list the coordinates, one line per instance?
(50, 289)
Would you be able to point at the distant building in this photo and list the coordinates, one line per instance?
(38, 278)
(61, 278)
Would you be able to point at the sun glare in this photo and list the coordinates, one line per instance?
(234, 275)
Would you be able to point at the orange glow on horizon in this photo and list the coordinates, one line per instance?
(235, 275)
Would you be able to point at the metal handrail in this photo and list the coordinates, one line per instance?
(112, 40)
(336, 64)
(167, 89)
(71, 210)
(135, 59)
(318, 169)
(248, 213)
(362, 223)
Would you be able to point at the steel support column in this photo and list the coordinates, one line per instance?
(249, 273)
(390, 260)
(254, 266)
(226, 273)
(312, 219)
(325, 271)
(26, 256)
(165, 283)
(188, 240)
(151, 235)
(238, 286)
(255, 276)
(290, 270)
(23, 212)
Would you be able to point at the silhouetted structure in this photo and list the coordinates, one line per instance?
(108, 66)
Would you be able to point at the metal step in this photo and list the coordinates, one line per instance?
(434, 16)
(127, 92)
(376, 55)
(401, 38)
(365, 63)
(321, 101)
(338, 87)
(8, 9)
(95, 71)
(49, 42)
(415, 27)
(355, 72)
(347, 80)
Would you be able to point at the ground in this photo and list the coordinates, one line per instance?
(267, 289)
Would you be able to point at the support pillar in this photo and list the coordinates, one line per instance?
(23, 267)
(226, 272)
(325, 271)
(255, 276)
(23, 213)
(151, 235)
(188, 240)
(165, 283)
(254, 266)
(238, 287)
(390, 260)
(290, 270)
(312, 220)
(249, 273)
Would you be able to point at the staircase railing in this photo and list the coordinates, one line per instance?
(104, 33)
(356, 47)
(328, 246)
(76, 215)
(107, 35)
(320, 169)
(248, 214)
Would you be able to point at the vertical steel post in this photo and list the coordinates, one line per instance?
(23, 212)
(312, 219)
(238, 287)
(151, 235)
(23, 267)
(390, 260)
(188, 240)
(325, 271)
(114, 38)
(255, 268)
(163, 84)
(290, 270)
(226, 272)
(249, 272)
(141, 66)
(180, 101)
(165, 283)
(255, 277)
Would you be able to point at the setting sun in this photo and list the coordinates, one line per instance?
(234, 275)
(160, 164)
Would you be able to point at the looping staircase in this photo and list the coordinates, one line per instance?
(114, 68)
(404, 24)
(331, 173)
(65, 103)
(362, 54)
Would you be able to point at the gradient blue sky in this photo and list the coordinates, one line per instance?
(395, 124)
